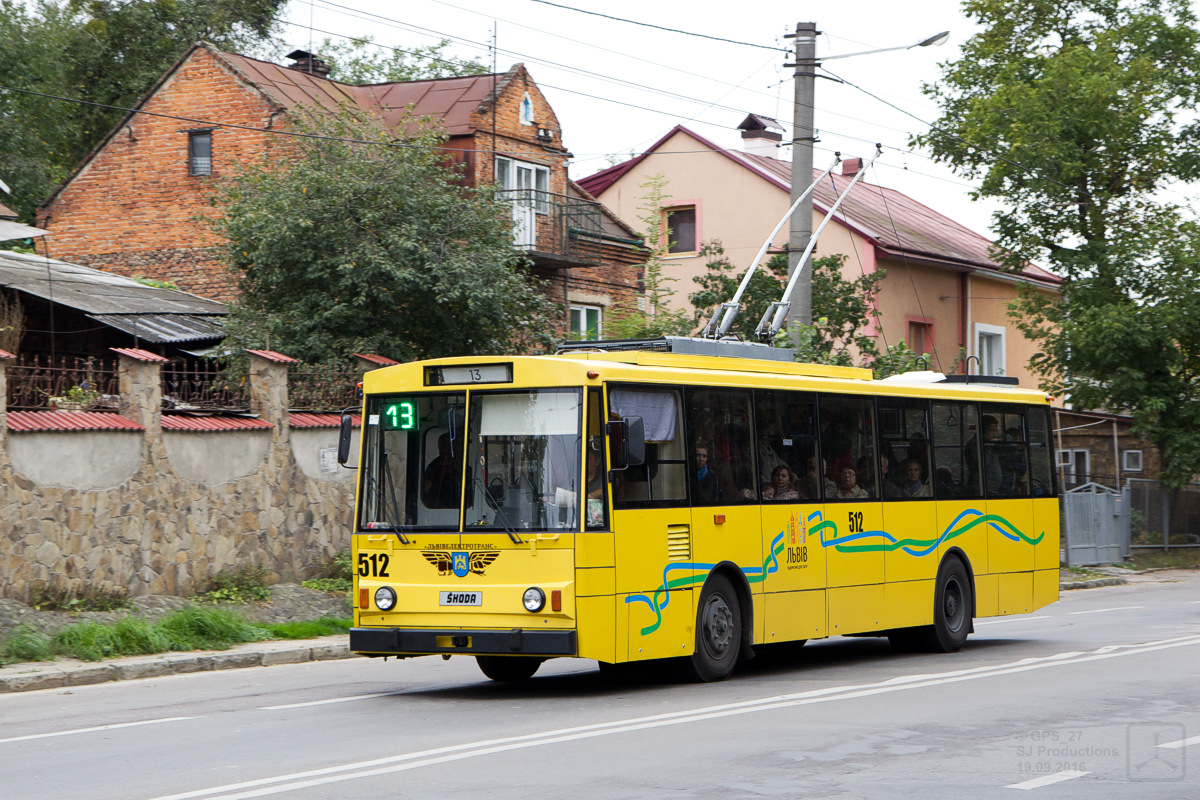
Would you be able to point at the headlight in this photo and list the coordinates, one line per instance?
(534, 599)
(385, 598)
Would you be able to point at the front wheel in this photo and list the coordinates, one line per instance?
(718, 632)
(508, 669)
(952, 608)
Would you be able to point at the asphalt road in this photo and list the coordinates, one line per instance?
(1096, 697)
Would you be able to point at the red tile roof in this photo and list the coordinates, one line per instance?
(28, 421)
(4, 354)
(307, 419)
(271, 355)
(188, 422)
(138, 355)
(382, 361)
(892, 221)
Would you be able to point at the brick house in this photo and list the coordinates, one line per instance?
(136, 205)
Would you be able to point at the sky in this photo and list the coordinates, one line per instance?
(618, 87)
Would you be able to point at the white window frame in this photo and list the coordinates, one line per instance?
(1126, 459)
(526, 110)
(1068, 466)
(506, 180)
(583, 309)
(983, 329)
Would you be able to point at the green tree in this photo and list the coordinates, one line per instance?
(720, 282)
(378, 247)
(102, 52)
(654, 318)
(1080, 116)
(360, 61)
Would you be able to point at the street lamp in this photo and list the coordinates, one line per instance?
(802, 149)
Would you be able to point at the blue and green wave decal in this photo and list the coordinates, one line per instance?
(827, 531)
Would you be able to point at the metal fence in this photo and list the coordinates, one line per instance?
(1162, 519)
(1095, 525)
(45, 383)
(323, 387)
(205, 386)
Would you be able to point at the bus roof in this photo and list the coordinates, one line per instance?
(577, 368)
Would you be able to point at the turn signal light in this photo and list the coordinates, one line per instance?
(555, 600)
(363, 598)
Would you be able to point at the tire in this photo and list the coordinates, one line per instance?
(718, 632)
(508, 669)
(952, 606)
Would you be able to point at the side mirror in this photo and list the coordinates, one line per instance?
(344, 439)
(627, 442)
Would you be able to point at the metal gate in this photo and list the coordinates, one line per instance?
(1095, 525)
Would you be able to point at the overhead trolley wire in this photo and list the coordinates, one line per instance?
(662, 28)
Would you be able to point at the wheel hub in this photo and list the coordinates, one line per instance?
(718, 626)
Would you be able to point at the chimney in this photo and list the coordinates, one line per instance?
(307, 62)
(851, 167)
(761, 136)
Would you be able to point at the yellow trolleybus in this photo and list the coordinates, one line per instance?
(635, 501)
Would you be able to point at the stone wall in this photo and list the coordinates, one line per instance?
(175, 517)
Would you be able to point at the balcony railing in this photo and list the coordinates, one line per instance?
(555, 229)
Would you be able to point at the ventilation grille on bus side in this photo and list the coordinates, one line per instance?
(679, 542)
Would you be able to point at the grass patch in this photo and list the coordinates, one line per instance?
(338, 586)
(192, 628)
(326, 626)
(1172, 559)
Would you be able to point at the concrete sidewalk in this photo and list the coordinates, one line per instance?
(28, 677)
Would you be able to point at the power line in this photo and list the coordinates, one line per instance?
(661, 28)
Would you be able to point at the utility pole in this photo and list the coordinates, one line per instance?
(803, 137)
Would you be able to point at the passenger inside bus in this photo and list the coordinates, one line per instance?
(442, 477)
(911, 483)
(782, 484)
(848, 488)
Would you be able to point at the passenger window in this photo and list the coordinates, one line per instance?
(1041, 465)
(956, 452)
(904, 471)
(1005, 460)
(847, 436)
(788, 463)
(662, 479)
(719, 430)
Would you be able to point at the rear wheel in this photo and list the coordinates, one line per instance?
(508, 668)
(718, 632)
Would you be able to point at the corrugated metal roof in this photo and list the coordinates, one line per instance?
(187, 422)
(165, 328)
(94, 292)
(307, 419)
(140, 355)
(30, 421)
(449, 100)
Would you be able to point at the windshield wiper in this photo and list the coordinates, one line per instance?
(500, 515)
(394, 521)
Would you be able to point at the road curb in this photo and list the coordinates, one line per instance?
(28, 677)
(1093, 584)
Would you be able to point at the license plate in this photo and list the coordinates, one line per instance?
(460, 599)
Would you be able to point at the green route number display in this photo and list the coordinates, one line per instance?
(400, 416)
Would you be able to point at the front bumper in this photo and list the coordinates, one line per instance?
(397, 641)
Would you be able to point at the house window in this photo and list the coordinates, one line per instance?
(989, 347)
(681, 229)
(1131, 461)
(920, 336)
(1075, 466)
(200, 153)
(585, 323)
(526, 183)
(526, 110)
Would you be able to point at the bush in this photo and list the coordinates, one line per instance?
(243, 584)
(196, 628)
(90, 598)
(25, 644)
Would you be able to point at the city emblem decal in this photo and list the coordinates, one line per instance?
(459, 562)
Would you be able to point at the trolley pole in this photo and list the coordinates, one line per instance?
(803, 137)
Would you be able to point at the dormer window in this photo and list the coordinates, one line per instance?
(526, 110)
(199, 152)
